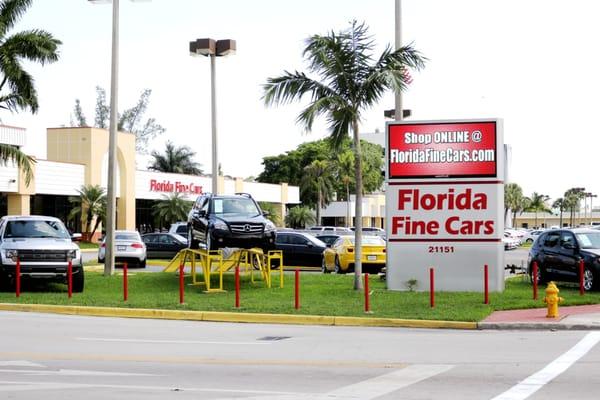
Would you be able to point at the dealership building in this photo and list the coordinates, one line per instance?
(79, 156)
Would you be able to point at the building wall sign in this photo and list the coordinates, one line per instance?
(444, 197)
(167, 186)
(430, 150)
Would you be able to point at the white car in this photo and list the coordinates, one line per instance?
(129, 248)
(531, 236)
(510, 242)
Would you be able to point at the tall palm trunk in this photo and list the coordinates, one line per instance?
(358, 209)
(319, 201)
(348, 213)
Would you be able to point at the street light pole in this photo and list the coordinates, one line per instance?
(398, 29)
(111, 201)
(213, 48)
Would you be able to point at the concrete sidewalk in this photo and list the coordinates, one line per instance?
(573, 317)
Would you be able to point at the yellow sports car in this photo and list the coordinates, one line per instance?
(340, 256)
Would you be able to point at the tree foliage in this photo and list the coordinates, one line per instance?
(17, 89)
(24, 162)
(318, 178)
(131, 120)
(347, 80)
(299, 217)
(171, 208)
(91, 206)
(175, 159)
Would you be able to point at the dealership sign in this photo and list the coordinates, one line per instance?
(444, 204)
(168, 186)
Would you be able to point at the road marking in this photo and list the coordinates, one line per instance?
(20, 363)
(72, 372)
(21, 386)
(536, 381)
(372, 388)
(170, 341)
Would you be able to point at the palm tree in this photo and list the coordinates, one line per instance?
(513, 200)
(572, 199)
(17, 90)
(317, 177)
(345, 173)
(90, 205)
(298, 217)
(537, 203)
(561, 204)
(348, 81)
(24, 162)
(171, 208)
(175, 159)
(272, 211)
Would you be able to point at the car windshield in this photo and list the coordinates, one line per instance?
(243, 206)
(36, 229)
(589, 240)
(369, 241)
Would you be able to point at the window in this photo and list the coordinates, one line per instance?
(551, 239)
(149, 239)
(567, 238)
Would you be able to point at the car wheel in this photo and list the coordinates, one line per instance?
(78, 280)
(529, 240)
(101, 260)
(541, 275)
(324, 266)
(589, 281)
(4, 282)
(209, 242)
(192, 243)
(142, 264)
(338, 267)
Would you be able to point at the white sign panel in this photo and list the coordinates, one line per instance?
(444, 204)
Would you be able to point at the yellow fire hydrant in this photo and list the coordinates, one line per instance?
(552, 299)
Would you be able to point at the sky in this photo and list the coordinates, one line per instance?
(533, 63)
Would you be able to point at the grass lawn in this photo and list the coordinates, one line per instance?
(321, 294)
(87, 245)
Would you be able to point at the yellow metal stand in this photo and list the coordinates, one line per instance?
(216, 261)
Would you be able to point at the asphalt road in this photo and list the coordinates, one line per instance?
(73, 357)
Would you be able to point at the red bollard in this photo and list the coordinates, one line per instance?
(18, 278)
(431, 288)
(297, 290)
(486, 296)
(367, 306)
(125, 282)
(181, 287)
(70, 279)
(581, 271)
(535, 280)
(237, 286)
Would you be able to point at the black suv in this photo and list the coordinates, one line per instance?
(218, 221)
(557, 253)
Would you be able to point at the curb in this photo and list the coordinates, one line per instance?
(213, 316)
(536, 326)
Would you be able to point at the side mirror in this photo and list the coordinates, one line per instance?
(309, 244)
(568, 245)
(201, 213)
(76, 237)
(266, 214)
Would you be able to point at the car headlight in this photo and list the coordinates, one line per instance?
(12, 254)
(71, 254)
(220, 225)
(269, 226)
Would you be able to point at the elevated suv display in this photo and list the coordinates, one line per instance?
(218, 221)
(43, 247)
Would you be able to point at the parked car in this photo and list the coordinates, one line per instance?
(510, 242)
(43, 247)
(340, 257)
(300, 249)
(328, 229)
(163, 245)
(218, 221)
(328, 238)
(371, 230)
(129, 249)
(179, 228)
(557, 253)
(531, 236)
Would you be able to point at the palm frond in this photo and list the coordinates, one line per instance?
(22, 160)
(10, 12)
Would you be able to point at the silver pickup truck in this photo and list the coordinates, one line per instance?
(43, 247)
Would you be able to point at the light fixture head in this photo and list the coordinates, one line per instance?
(226, 47)
(203, 47)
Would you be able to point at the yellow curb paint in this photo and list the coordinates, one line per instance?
(236, 317)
